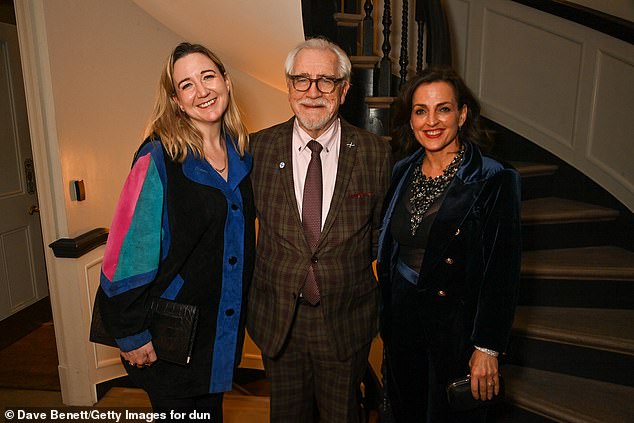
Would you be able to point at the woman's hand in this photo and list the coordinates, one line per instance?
(484, 375)
(141, 357)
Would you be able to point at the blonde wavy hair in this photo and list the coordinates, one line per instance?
(175, 128)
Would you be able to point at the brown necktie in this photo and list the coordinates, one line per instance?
(311, 216)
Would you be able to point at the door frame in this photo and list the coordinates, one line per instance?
(76, 366)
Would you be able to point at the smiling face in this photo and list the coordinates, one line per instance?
(202, 92)
(315, 111)
(436, 117)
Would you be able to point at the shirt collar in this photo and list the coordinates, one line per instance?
(327, 139)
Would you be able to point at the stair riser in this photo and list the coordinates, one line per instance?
(378, 121)
(537, 187)
(508, 413)
(347, 39)
(567, 235)
(353, 110)
(570, 359)
(363, 79)
(576, 293)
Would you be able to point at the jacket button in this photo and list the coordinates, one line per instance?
(314, 259)
(233, 260)
(442, 293)
(457, 232)
(449, 260)
(234, 207)
(229, 312)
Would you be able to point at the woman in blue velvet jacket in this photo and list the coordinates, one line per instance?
(449, 254)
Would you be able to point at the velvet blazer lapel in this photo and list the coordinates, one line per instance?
(458, 203)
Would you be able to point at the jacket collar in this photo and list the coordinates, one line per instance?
(200, 171)
(471, 169)
(461, 195)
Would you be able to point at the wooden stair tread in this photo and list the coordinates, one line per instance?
(348, 18)
(603, 262)
(549, 210)
(380, 102)
(603, 329)
(364, 62)
(527, 169)
(568, 398)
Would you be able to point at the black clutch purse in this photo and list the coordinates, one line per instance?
(460, 398)
(173, 328)
(172, 324)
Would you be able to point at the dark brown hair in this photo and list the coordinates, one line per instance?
(403, 139)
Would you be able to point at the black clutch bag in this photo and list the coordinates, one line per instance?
(460, 398)
(173, 328)
(172, 325)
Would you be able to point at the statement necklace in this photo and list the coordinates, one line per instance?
(426, 190)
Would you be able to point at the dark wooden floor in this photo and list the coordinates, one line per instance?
(24, 321)
(247, 403)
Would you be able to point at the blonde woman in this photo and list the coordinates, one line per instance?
(184, 230)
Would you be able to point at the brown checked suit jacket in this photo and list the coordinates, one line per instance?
(346, 249)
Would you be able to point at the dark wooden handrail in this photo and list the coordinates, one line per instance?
(594, 19)
(80, 245)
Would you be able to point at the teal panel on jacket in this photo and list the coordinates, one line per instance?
(140, 252)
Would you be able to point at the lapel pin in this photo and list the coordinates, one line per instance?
(282, 165)
(350, 145)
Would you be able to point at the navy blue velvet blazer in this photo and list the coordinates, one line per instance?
(469, 277)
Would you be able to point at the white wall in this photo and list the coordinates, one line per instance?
(252, 38)
(566, 87)
(105, 58)
(105, 61)
(91, 68)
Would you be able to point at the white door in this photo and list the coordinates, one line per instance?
(22, 266)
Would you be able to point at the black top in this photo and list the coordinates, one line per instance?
(412, 248)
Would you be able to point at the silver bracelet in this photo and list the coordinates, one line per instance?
(488, 351)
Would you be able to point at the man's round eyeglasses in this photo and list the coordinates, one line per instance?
(324, 84)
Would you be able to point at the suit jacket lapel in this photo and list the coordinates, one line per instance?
(347, 159)
(284, 147)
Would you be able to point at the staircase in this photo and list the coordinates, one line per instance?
(571, 356)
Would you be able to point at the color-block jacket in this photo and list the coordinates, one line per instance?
(181, 232)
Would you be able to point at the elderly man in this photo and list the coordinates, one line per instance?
(319, 184)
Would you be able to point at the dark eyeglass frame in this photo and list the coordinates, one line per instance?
(295, 78)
